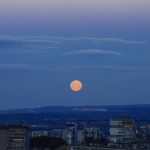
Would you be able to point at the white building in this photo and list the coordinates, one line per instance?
(122, 130)
(70, 133)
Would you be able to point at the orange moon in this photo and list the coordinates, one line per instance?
(76, 85)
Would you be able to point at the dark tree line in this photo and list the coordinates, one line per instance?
(47, 142)
(102, 141)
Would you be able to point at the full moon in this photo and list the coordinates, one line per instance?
(76, 85)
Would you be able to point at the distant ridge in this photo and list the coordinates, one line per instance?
(108, 108)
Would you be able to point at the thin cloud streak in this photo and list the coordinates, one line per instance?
(14, 66)
(93, 53)
(32, 68)
(45, 44)
(109, 40)
(103, 67)
(21, 68)
(57, 40)
(118, 67)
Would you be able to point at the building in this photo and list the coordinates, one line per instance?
(86, 133)
(122, 130)
(13, 137)
(81, 147)
(92, 133)
(143, 133)
(56, 133)
(70, 133)
(39, 133)
(81, 137)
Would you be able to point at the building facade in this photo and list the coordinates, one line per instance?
(13, 137)
(122, 130)
(70, 133)
(86, 133)
(39, 133)
(92, 133)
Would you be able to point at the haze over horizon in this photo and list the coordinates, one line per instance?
(44, 45)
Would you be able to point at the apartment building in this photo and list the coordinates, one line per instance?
(13, 137)
(122, 130)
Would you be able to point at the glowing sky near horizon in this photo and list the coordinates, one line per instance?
(30, 14)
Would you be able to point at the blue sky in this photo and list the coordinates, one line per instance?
(44, 45)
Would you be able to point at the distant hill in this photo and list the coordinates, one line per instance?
(110, 108)
(30, 115)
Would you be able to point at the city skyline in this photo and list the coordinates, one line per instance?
(44, 45)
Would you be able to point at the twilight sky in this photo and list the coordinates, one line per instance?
(45, 44)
